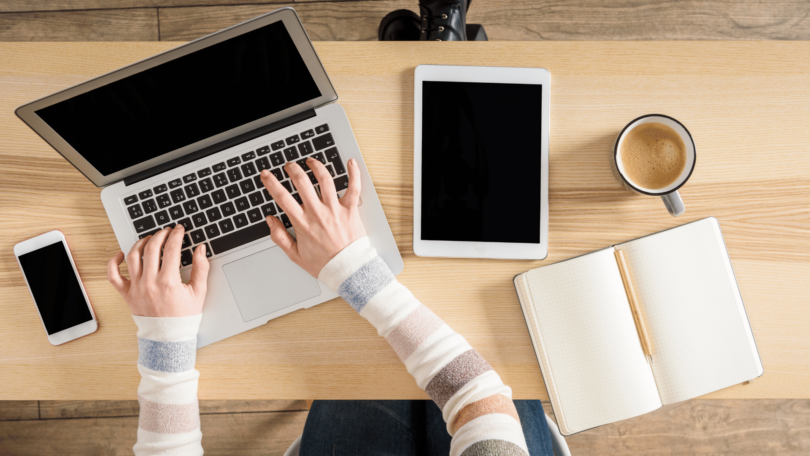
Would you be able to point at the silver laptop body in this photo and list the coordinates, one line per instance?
(210, 185)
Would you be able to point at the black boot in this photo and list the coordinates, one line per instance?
(400, 25)
(443, 20)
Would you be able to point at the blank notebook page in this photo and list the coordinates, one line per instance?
(590, 341)
(701, 338)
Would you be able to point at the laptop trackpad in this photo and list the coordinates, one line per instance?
(268, 281)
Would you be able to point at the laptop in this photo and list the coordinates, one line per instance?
(181, 138)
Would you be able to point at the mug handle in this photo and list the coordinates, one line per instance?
(674, 203)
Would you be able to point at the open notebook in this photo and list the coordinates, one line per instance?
(589, 350)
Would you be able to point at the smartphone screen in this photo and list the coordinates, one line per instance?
(55, 287)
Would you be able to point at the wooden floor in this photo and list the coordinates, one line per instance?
(739, 427)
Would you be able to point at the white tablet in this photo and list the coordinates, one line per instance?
(480, 180)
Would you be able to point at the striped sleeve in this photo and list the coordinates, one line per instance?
(169, 420)
(475, 404)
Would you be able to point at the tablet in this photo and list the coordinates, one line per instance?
(480, 179)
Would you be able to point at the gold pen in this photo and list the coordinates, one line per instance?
(634, 308)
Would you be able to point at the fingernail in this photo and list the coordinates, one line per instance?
(352, 162)
(265, 173)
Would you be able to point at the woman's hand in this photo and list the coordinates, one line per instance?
(155, 289)
(323, 225)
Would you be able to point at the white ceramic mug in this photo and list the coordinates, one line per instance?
(672, 200)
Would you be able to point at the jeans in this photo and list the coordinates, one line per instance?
(399, 428)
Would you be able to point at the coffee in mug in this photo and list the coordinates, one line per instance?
(655, 155)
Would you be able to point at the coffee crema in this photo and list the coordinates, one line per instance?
(653, 155)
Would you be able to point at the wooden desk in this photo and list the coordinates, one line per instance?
(747, 105)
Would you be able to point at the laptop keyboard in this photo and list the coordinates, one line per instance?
(224, 205)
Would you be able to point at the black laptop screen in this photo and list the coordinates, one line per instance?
(185, 100)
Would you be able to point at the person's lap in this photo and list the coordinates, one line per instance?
(399, 428)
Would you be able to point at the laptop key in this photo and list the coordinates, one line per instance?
(277, 172)
(234, 174)
(305, 148)
(186, 222)
(192, 190)
(175, 183)
(191, 207)
(197, 236)
(199, 220)
(267, 196)
(185, 257)
(286, 221)
(130, 199)
(240, 220)
(164, 201)
(226, 226)
(145, 194)
(208, 252)
(341, 183)
(263, 150)
(228, 209)
(247, 186)
(178, 196)
(256, 198)
(220, 180)
(307, 134)
(319, 156)
(146, 223)
(339, 168)
(186, 242)
(148, 233)
(162, 217)
(331, 170)
(212, 231)
(219, 197)
(176, 212)
(303, 164)
(258, 181)
(240, 238)
(277, 145)
(290, 153)
(312, 178)
(241, 204)
(204, 172)
(254, 215)
(321, 129)
(189, 178)
(297, 197)
(135, 212)
(277, 159)
(293, 139)
(233, 191)
(206, 185)
(248, 156)
(205, 202)
(213, 214)
(248, 169)
(219, 167)
(287, 185)
(268, 209)
(233, 161)
(324, 141)
(149, 206)
(263, 163)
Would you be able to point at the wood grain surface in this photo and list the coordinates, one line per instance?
(111, 20)
(747, 105)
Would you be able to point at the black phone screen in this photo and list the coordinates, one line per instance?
(55, 287)
(481, 152)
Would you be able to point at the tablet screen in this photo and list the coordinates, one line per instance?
(481, 151)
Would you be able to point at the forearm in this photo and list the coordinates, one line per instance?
(475, 403)
(169, 420)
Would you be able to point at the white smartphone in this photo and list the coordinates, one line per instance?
(54, 283)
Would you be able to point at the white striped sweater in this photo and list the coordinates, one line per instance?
(476, 405)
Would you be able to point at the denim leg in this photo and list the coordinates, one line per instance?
(395, 428)
(532, 419)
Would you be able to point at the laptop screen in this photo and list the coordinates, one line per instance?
(185, 100)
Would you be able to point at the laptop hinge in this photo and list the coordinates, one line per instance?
(214, 148)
